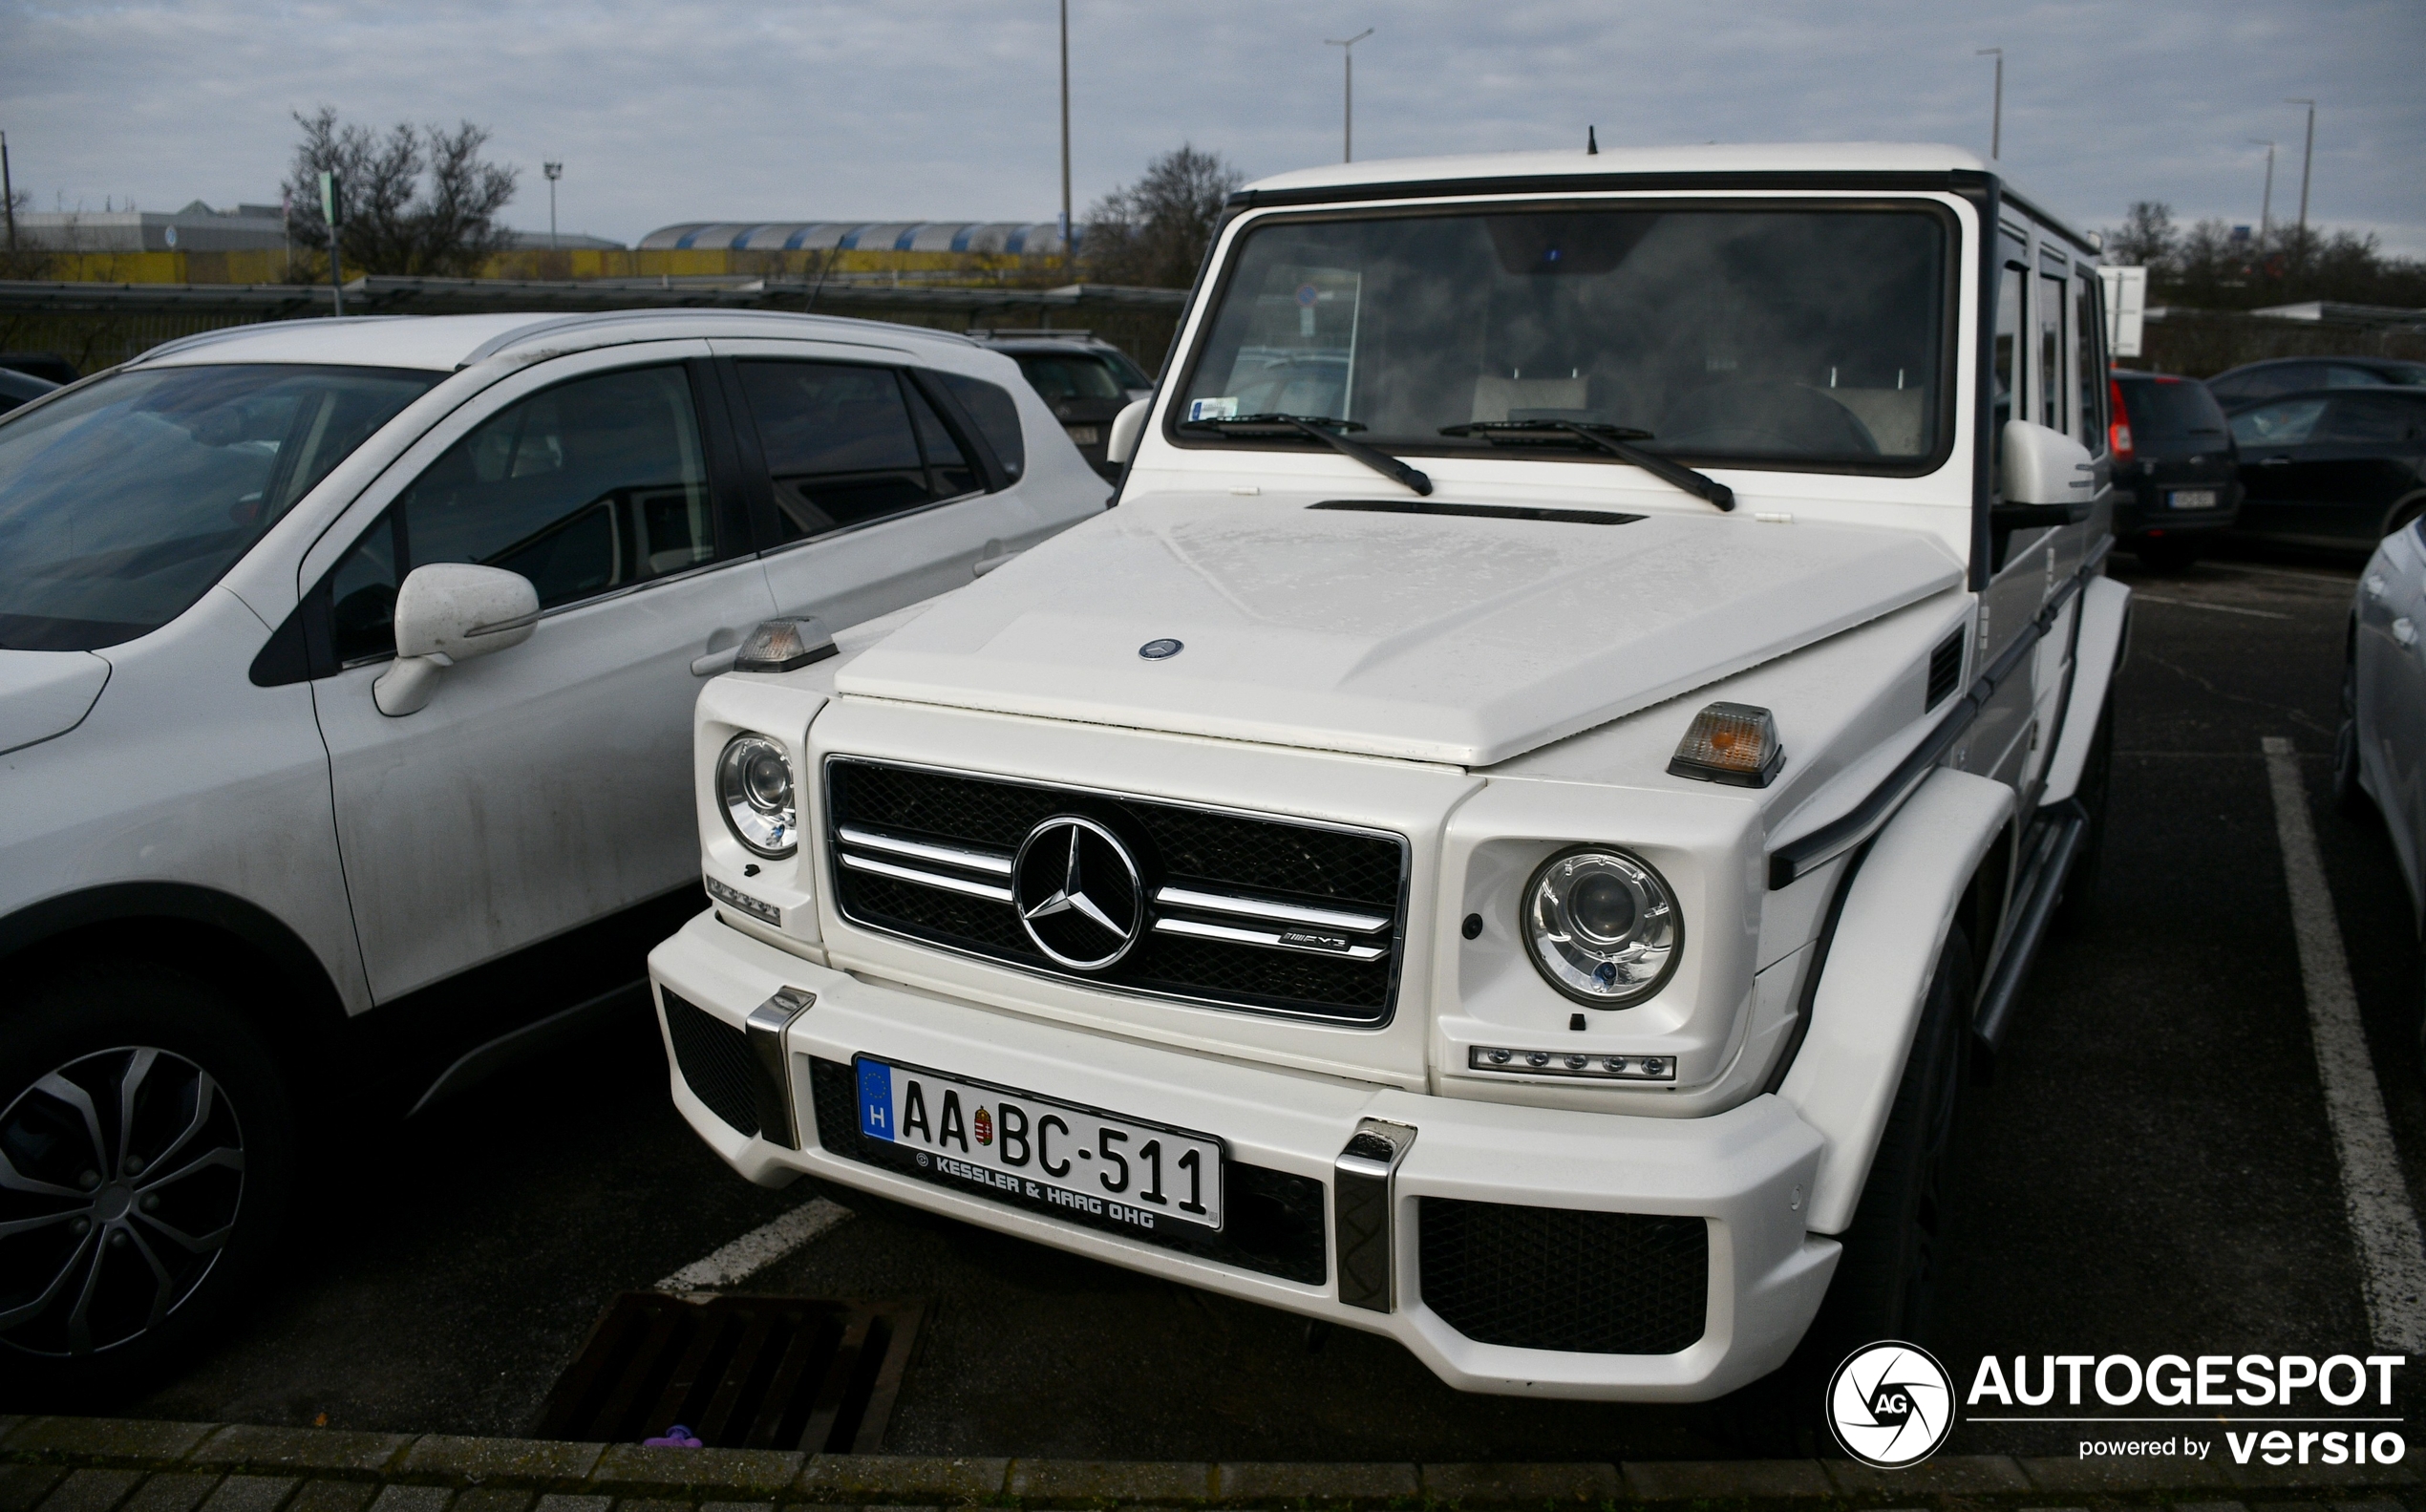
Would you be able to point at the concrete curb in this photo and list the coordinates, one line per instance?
(98, 1464)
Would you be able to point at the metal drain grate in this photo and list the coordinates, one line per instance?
(740, 1372)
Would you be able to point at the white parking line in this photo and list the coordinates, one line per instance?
(2194, 604)
(758, 1249)
(2374, 1190)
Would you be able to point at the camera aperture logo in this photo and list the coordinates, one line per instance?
(1891, 1404)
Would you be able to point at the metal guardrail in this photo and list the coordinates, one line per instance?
(383, 294)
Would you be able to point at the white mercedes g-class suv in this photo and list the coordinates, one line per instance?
(1510, 834)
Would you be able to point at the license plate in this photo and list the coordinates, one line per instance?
(2193, 499)
(1083, 434)
(1042, 1150)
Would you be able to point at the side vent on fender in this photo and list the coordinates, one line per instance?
(1946, 669)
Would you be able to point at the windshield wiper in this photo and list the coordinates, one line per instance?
(1609, 438)
(1325, 429)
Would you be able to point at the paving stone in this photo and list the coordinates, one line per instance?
(632, 1470)
(493, 1499)
(92, 1490)
(115, 1440)
(2208, 1506)
(21, 1486)
(1942, 1475)
(1315, 1482)
(736, 1506)
(1112, 1479)
(1717, 1480)
(2379, 1504)
(2125, 1473)
(334, 1496)
(901, 1478)
(181, 1492)
(521, 1461)
(413, 1499)
(573, 1503)
(245, 1446)
(650, 1505)
(243, 1493)
(2255, 1476)
(1522, 1483)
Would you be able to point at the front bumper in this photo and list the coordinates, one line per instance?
(1744, 1172)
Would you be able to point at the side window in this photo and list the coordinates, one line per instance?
(2288, 378)
(2368, 419)
(2005, 368)
(2088, 338)
(2337, 375)
(2286, 422)
(2052, 412)
(997, 414)
(843, 445)
(954, 474)
(586, 487)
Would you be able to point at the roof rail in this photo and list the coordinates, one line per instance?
(204, 338)
(615, 317)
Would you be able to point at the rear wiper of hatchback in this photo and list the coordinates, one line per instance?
(1609, 438)
(1325, 429)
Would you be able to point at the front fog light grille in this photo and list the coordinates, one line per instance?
(715, 1060)
(1555, 1278)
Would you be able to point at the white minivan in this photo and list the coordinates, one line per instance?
(256, 867)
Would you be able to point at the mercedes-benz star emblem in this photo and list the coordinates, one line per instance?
(1892, 1404)
(1077, 892)
(1162, 650)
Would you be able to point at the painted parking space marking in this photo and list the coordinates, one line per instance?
(2374, 1190)
(758, 1249)
(2219, 609)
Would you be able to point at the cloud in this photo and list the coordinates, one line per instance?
(949, 109)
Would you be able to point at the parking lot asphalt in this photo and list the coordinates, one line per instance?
(2150, 1170)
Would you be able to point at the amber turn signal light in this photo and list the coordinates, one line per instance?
(1731, 743)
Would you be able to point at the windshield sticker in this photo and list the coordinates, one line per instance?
(1225, 409)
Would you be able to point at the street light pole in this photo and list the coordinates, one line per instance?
(1996, 112)
(1066, 260)
(2266, 206)
(2307, 158)
(1348, 97)
(554, 172)
(333, 208)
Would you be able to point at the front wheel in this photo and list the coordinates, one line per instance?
(1886, 1281)
(146, 1152)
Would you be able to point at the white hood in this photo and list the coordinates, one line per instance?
(1428, 637)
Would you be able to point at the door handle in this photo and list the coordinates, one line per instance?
(2274, 461)
(2405, 632)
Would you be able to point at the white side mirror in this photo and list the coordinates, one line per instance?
(448, 612)
(1127, 427)
(2046, 468)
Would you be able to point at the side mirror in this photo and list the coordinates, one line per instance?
(2049, 478)
(1127, 427)
(448, 612)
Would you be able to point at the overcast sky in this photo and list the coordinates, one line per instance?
(676, 110)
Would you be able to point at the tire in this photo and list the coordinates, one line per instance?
(2078, 908)
(2167, 554)
(1885, 1285)
(2350, 798)
(151, 1155)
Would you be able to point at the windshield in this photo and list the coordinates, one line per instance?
(1061, 375)
(2172, 414)
(120, 504)
(1794, 336)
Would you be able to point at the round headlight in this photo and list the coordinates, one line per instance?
(754, 787)
(1602, 926)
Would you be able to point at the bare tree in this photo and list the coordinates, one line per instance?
(416, 202)
(2146, 238)
(1153, 232)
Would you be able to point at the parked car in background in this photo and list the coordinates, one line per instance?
(1085, 379)
(2331, 467)
(18, 388)
(2379, 758)
(47, 364)
(2252, 381)
(345, 685)
(2177, 478)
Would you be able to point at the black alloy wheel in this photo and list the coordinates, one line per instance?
(144, 1156)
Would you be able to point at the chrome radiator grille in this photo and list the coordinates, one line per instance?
(1237, 910)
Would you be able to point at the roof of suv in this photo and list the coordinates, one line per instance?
(448, 342)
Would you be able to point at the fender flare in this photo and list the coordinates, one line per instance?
(2105, 636)
(1877, 977)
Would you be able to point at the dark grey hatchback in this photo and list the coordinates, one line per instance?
(2177, 481)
